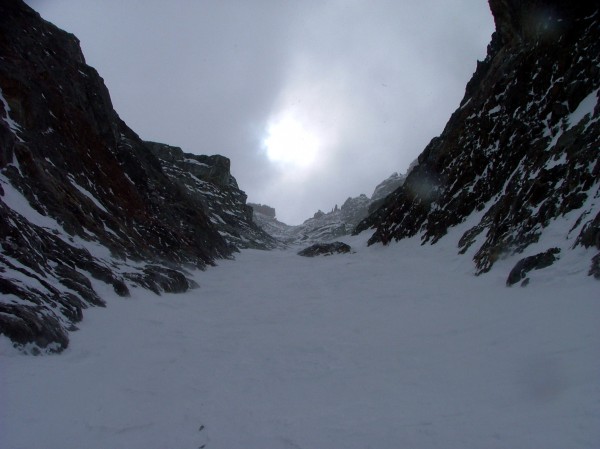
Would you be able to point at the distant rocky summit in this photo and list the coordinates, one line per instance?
(326, 226)
(520, 157)
(83, 199)
(387, 186)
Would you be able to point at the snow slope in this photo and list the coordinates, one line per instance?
(389, 347)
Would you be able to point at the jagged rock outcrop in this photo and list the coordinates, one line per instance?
(326, 226)
(527, 264)
(340, 221)
(522, 149)
(321, 227)
(83, 198)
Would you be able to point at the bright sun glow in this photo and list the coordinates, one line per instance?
(289, 142)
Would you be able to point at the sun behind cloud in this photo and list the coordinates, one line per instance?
(291, 143)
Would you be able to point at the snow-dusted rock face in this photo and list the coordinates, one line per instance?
(208, 178)
(326, 226)
(321, 227)
(264, 216)
(83, 199)
(522, 152)
(340, 221)
(387, 186)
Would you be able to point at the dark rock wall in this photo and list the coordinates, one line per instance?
(83, 198)
(263, 209)
(518, 150)
(519, 21)
(71, 141)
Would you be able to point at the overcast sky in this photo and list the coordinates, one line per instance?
(313, 101)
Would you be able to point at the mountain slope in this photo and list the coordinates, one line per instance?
(522, 150)
(82, 197)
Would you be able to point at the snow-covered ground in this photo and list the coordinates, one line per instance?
(389, 347)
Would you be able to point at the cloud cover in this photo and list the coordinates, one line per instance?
(373, 80)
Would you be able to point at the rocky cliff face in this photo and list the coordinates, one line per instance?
(83, 199)
(522, 151)
(208, 178)
(264, 210)
(265, 217)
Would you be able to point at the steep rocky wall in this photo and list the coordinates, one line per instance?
(82, 197)
(522, 150)
(71, 147)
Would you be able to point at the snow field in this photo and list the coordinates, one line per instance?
(390, 347)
